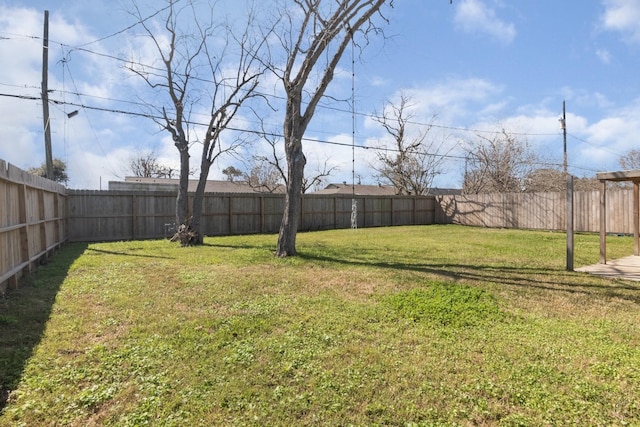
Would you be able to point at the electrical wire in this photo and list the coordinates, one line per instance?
(93, 129)
(345, 110)
(278, 135)
(352, 110)
(140, 21)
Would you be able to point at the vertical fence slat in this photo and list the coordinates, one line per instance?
(545, 211)
(30, 222)
(109, 215)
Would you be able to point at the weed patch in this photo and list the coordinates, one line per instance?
(447, 304)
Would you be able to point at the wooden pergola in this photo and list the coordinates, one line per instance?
(619, 176)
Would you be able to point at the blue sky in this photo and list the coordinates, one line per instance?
(478, 65)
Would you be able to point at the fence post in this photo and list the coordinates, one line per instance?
(24, 231)
(603, 222)
(262, 225)
(413, 214)
(43, 221)
(392, 212)
(230, 214)
(134, 216)
(636, 219)
(335, 212)
(569, 222)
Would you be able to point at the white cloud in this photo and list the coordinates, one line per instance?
(586, 98)
(604, 55)
(454, 98)
(475, 16)
(623, 16)
(600, 144)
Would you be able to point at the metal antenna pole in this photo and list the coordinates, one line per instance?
(354, 202)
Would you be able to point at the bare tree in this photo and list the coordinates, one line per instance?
(191, 75)
(414, 161)
(631, 160)
(545, 180)
(553, 179)
(145, 164)
(314, 35)
(591, 184)
(497, 163)
(269, 172)
(263, 176)
(59, 171)
(318, 176)
(232, 173)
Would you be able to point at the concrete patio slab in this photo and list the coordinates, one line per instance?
(627, 268)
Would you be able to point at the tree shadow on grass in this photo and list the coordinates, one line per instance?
(24, 313)
(546, 279)
(514, 276)
(121, 253)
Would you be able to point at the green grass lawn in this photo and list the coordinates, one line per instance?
(407, 326)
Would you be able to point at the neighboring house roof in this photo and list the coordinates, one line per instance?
(445, 191)
(376, 190)
(358, 189)
(132, 183)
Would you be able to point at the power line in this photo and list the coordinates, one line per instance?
(276, 135)
(345, 110)
(255, 132)
(28, 97)
(93, 129)
(595, 146)
(140, 21)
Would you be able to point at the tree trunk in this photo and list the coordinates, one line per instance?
(291, 218)
(182, 200)
(198, 200)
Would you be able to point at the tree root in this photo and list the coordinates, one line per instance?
(185, 235)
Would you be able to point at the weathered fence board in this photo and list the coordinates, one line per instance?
(545, 211)
(37, 215)
(32, 221)
(122, 215)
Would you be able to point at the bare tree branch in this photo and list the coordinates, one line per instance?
(232, 72)
(498, 163)
(324, 29)
(415, 161)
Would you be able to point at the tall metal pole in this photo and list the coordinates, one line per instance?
(569, 181)
(45, 97)
(564, 131)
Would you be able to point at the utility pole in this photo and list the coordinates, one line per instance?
(45, 97)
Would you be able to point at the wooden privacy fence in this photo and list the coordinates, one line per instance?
(32, 221)
(122, 215)
(538, 210)
(37, 215)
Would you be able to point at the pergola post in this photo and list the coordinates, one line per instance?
(619, 176)
(636, 218)
(603, 221)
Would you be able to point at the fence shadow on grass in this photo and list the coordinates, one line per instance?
(24, 313)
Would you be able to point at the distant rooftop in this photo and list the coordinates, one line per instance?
(376, 190)
(134, 183)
